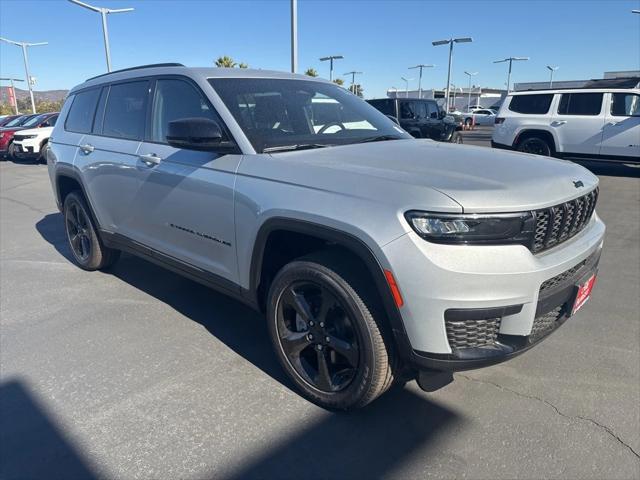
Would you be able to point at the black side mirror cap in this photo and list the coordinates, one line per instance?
(195, 134)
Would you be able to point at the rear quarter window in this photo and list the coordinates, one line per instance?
(537, 104)
(82, 111)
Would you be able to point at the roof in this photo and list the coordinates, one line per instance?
(593, 84)
(177, 68)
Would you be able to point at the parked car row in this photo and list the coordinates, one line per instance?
(26, 136)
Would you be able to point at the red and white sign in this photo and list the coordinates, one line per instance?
(12, 96)
(584, 292)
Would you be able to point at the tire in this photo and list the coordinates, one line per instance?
(536, 145)
(316, 308)
(468, 122)
(86, 247)
(456, 138)
(42, 158)
(11, 151)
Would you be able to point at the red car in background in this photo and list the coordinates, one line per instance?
(21, 123)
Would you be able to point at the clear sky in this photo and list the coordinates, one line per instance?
(380, 38)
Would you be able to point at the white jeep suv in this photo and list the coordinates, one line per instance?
(600, 121)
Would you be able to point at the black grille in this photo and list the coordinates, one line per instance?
(560, 278)
(545, 323)
(472, 333)
(561, 222)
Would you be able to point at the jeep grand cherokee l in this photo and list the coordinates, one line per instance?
(375, 257)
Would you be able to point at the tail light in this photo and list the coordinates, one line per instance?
(499, 120)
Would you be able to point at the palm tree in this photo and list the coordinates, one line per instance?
(243, 65)
(339, 81)
(311, 72)
(225, 62)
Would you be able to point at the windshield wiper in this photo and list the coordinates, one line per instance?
(379, 138)
(299, 146)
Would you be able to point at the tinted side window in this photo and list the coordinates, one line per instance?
(385, 106)
(407, 110)
(532, 104)
(421, 110)
(173, 100)
(80, 118)
(126, 110)
(432, 110)
(580, 104)
(625, 105)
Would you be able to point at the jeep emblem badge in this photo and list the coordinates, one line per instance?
(578, 184)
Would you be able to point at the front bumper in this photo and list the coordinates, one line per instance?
(443, 285)
(26, 148)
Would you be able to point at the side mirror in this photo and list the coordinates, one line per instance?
(442, 114)
(393, 119)
(194, 134)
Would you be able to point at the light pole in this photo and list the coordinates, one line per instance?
(331, 58)
(406, 88)
(294, 36)
(551, 69)
(420, 66)
(105, 32)
(510, 60)
(635, 11)
(353, 80)
(13, 89)
(25, 57)
(470, 74)
(450, 42)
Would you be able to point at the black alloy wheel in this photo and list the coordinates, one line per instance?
(317, 336)
(535, 145)
(78, 224)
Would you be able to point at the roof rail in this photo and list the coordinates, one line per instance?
(596, 83)
(137, 68)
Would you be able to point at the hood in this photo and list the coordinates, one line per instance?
(42, 131)
(480, 179)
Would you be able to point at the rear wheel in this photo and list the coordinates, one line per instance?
(535, 145)
(86, 247)
(327, 336)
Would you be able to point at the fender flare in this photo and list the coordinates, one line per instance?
(354, 244)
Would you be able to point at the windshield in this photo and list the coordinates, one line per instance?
(299, 113)
(16, 122)
(34, 121)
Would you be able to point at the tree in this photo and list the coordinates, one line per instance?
(311, 72)
(339, 81)
(228, 62)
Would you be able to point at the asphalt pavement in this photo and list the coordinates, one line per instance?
(139, 373)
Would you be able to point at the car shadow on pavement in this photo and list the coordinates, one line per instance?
(610, 169)
(367, 443)
(31, 444)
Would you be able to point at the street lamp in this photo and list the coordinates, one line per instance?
(510, 60)
(25, 57)
(294, 36)
(635, 11)
(551, 69)
(450, 42)
(406, 83)
(105, 32)
(13, 89)
(470, 74)
(331, 58)
(420, 66)
(353, 80)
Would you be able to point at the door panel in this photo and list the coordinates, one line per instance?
(578, 122)
(621, 135)
(185, 207)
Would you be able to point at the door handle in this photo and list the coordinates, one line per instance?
(150, 159)
(557, 123)
(87, 148)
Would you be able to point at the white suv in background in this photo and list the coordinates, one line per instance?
(600, 121)
(33, 143)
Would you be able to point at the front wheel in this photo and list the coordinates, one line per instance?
(86, 247)
(456, 138)
(535, 145)
(326, 335)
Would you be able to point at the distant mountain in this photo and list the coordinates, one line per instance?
(40, 96)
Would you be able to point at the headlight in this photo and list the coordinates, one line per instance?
(25, 137)
(494, 229)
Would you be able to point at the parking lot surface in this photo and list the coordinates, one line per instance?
(139, 373)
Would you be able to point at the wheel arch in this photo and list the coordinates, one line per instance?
(334, 238)
(532, 132)
(68, 179)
